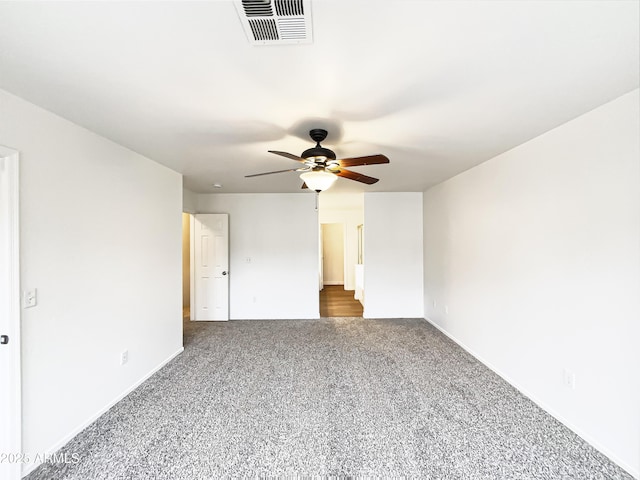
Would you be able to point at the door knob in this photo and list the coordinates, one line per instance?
(4, 339)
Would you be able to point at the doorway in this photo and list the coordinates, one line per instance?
(210, 272)
(341, 215)
(205, 267)
(335, 299)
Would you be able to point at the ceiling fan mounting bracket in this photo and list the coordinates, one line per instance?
(318, 134)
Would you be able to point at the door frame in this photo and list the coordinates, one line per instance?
(10, 310)
(192, 266)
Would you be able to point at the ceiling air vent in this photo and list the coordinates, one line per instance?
(275, 22)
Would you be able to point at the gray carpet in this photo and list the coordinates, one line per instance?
(340, 397)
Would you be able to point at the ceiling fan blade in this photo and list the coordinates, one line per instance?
(304, 185)
(368, 160)
(288, 155)
(358, 177)
(269, 173)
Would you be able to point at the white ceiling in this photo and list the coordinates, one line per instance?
(437, 86)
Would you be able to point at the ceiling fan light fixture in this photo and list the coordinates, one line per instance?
(318, 180)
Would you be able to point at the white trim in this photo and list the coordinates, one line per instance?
(345, 249)
(192, 263)
(28, 468)
(10, 283)
(577, 430)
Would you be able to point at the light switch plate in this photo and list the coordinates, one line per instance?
(30, 298)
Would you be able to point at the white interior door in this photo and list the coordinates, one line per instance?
(211, 262)
(10, 412)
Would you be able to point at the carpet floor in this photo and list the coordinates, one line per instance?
(336, 397)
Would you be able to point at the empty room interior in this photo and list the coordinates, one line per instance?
(310, 238)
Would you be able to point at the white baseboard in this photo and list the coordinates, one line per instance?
(597, 445)
(28, 468)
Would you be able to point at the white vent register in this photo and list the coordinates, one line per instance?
(276, 22)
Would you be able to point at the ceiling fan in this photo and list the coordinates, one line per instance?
(321, 168)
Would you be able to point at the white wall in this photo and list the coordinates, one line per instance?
(279, 234)
(536, 255)
(189, 201)
(100, 240)
(393, 262)
(348, 209)
(333, 253)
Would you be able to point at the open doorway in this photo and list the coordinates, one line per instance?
(341, 217)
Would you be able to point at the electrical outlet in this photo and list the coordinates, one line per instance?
(124, 357)
(30, 298)
(247, 260)
(569, 379)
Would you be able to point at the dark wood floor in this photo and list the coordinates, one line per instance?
(335, 301)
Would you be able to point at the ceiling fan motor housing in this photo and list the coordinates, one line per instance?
(319, 151)
(318, 135)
